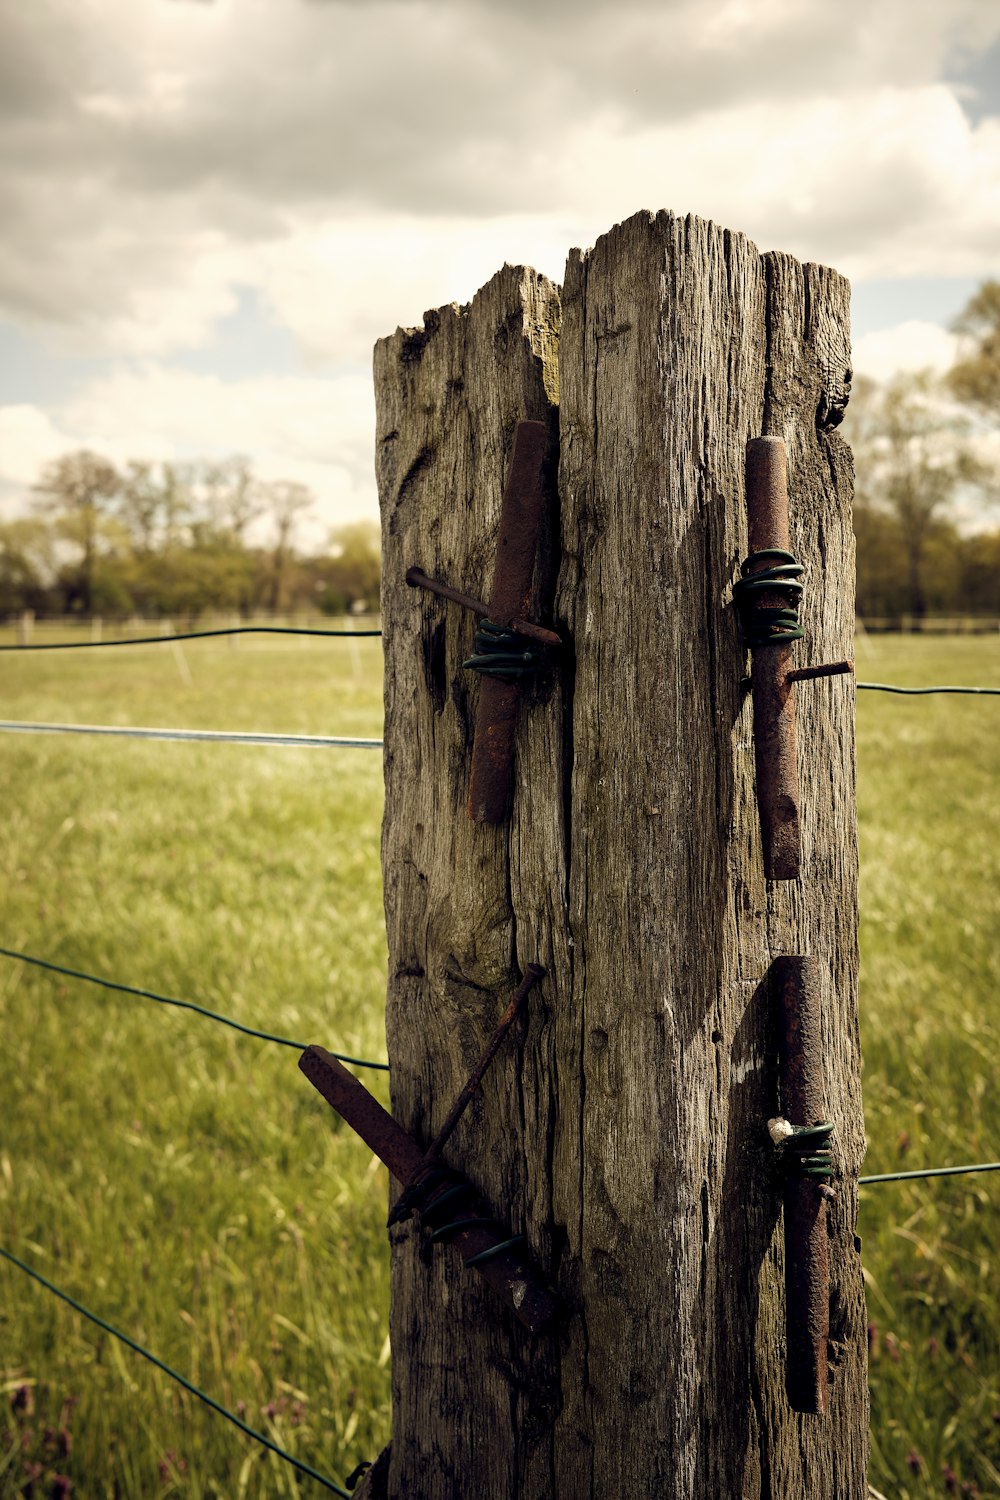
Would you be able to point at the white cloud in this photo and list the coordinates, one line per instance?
(894, 183)
(341, 285)
(28, 440)
(909, 346)
(364, 155)
(316, 431)
(355, 162)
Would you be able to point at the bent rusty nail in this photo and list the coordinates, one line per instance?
(418, 579)
(517, 544)
(773, 700)
(807, 1265)
(533, 974)
(510, 1273)
(828, 669)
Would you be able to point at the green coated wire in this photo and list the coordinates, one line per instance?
(885, 687)
(983, 1166)
(188, 635)
(230, 1416)
(501, 652)
(200, 1010)
(764, 625)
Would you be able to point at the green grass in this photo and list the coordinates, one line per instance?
(182, 1181)
(929, 815)
(177, 1177)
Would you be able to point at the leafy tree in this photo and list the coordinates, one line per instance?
(190, 580)
(79, 489)
(975, 378)
(27, 564)
(350, 576)
(979, 558)
(172, 539)
(912, 455)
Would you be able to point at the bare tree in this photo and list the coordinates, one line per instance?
(141, 497)
(233, 495)
(287, 501)
(155, 499)
(80, 489)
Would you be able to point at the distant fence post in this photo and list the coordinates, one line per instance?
(624, 1131)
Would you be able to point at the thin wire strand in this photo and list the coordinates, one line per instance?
(200, 1010)
(188, 635)
(886, 687)
(258, 1437)
(983, 1166)
(206, 736)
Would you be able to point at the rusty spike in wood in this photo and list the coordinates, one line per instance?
(418, 579)
(533, 974)
(807, 1266)
(496, 716)
(773, 694)
(828, 669)
(510, 1273)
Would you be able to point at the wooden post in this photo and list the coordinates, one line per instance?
(626, 1135)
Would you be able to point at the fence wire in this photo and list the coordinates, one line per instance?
(230, 1416)
(204, 736)
(187, 635)
(200, 1010)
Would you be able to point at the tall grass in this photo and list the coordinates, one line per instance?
(175, 1176)
(183, 1181)
(929, 814)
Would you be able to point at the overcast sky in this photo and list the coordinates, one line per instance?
(212, 208)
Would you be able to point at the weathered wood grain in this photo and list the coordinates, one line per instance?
(471, 1390)
(626, 1134)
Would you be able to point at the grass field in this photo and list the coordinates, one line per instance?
(180, 1180)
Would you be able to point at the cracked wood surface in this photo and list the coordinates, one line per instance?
(623, 1130)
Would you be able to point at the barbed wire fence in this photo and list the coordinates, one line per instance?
(291, 741)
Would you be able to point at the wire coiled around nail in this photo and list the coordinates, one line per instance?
(501, 652)
(769, 625)
(806, 1152)
(437, 1188)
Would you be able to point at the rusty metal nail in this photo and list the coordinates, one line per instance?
(496, 715)
(508, 1270)
(773, 702)
(533, 974)
(807, 1267)
(418, 579)
(362, 1112)
(828, 669)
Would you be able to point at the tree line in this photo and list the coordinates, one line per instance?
(176, 539)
